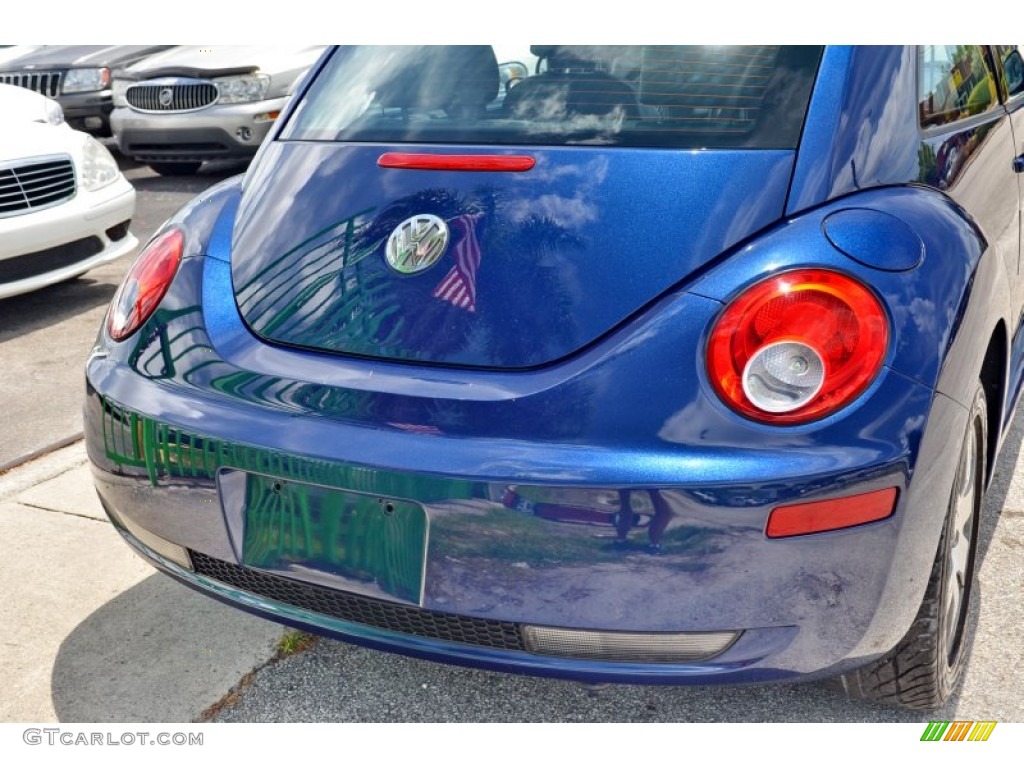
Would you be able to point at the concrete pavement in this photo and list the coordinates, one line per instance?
(92, 632)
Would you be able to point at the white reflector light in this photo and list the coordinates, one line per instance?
(650, 647)
(162, 547)
(783, 376)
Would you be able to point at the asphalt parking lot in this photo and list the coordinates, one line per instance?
(146, 633)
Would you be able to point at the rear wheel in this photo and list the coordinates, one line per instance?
(925, 667)
(175, 169)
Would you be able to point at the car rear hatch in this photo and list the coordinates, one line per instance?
(547, 197)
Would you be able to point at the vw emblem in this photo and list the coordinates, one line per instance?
(166, 97)
(416, 244)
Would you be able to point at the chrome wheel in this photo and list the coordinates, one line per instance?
(959, 555)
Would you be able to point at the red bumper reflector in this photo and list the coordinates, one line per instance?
(831, 514)
(456, 162)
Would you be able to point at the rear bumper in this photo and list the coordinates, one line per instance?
(187, 418)
(803, 608)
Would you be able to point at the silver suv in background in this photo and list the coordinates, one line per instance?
(191, 104)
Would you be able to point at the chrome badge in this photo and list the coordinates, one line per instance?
(416, 244)
(166, 97)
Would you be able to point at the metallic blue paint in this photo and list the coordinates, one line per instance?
(624, 418)
(811, 175)
(559, 245)
(874, 238)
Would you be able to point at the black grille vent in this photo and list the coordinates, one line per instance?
(363, 610)
(177, 97)
(36, 184)
(41, 262)
(46, 83)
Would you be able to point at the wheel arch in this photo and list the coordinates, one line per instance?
(994, 381)
(978, 345)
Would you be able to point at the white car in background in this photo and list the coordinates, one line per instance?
(65, 207)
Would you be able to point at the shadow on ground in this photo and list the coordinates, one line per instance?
(158, 652)
(145, 179)
(336, 682)
(31, 311)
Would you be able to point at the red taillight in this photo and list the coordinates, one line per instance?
(425, 162)
(830, 515)
(797, 346)
(145, 284)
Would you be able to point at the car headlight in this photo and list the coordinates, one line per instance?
(243, 88)
(98, 166)
(119, 92)
(89, 79)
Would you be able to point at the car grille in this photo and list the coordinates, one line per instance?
(177, 97)
(41, 262)
(358, 609)
(30, 186)
(46, 83)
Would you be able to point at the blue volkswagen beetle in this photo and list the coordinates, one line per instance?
(649, 364)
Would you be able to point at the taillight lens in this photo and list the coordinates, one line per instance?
(145, 284)
(797, 346)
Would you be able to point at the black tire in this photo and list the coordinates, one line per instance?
(175, 169)
(926, 666)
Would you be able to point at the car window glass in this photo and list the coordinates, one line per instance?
(686, 96)
(954, 82)
(1011, 64)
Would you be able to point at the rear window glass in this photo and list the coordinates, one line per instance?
(683, 96)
